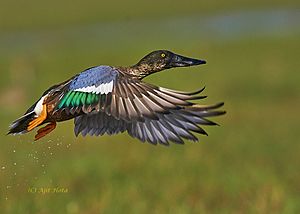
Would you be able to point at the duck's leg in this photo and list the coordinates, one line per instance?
(45, 130)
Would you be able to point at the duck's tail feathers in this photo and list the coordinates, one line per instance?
(20, 125)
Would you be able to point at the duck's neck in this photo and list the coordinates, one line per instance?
(141, 70)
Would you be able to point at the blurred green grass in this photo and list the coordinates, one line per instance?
(34, 14)
(248, 165)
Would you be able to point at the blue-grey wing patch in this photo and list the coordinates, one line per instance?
(89, 90)
(98, 80)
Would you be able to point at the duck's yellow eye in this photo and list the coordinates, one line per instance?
(163, 55)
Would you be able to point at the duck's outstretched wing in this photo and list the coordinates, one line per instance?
(174, 126)
(133, 99)
(104, 89)
(103, 100)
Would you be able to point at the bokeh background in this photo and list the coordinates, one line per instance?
(250, 164)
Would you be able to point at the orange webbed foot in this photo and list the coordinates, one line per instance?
(45, 130)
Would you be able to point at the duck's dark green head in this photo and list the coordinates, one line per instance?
(163, 59)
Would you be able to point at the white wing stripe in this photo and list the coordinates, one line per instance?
(101, 89)
(110, 86)
(104, 88)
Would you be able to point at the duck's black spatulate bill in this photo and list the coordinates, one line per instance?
(182, 61)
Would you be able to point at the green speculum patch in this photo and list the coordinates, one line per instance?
(77, 98)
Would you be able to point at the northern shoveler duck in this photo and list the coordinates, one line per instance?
(110, 100)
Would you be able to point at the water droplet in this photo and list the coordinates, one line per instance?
(15, 164)
(15, 173)
(7, 187)
(14, 151)
(43, 165)
(3, 167)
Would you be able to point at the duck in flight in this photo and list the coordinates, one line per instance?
(111, 100)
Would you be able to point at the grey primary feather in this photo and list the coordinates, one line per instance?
(169, 127)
